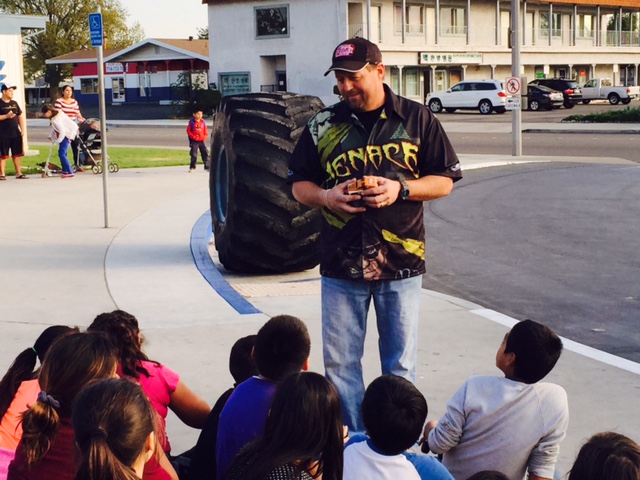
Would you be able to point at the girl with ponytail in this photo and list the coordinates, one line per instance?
(46, 449)
(19, 387)
(113, 423)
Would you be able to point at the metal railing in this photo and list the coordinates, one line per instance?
(483, 36)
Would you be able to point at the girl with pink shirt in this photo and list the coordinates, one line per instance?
(19, 387)
(163, 386)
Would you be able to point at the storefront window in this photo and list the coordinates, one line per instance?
(89, 85)
(411, 82)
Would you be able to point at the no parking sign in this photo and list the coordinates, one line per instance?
(513, 85)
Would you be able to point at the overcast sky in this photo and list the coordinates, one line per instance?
(167, 18)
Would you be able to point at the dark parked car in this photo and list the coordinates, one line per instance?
(541, 97)
(569, 88)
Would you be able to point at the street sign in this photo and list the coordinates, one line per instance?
(513, 85)
(513, 103)
(95, 29)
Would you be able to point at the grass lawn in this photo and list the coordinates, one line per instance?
(124, 157)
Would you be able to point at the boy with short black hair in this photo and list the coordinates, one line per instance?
(197, 133)
(394, 412)
(510, 424)
(282, 348)
(242, 367)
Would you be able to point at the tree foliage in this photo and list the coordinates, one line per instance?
(67, 30)
(203, 33)
(192, 90)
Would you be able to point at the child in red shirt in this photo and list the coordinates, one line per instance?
(197, 132)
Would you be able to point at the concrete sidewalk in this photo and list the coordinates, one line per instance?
(60, 265)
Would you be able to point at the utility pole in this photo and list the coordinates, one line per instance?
(516, 114)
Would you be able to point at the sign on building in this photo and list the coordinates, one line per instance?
(450, 58)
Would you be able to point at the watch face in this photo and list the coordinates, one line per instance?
(404, 192)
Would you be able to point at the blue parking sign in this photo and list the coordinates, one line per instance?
(95, 29)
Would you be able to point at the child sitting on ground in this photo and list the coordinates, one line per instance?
(113, 423)
(510, 424)
(282, 348)
(46, 449)
(303, 435)
(19, 387)
(242, 367)
(393, 412)
(164, 387)
(607, 456)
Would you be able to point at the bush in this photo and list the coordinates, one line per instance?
(626, 115)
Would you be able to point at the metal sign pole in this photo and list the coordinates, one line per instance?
(516, 114)
(97, 39)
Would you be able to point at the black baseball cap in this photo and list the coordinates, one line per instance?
(6, 87)
(354, 54)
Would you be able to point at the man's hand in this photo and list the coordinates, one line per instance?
(385, 194)
(337, 199)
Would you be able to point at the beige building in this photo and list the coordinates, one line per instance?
(426, 45)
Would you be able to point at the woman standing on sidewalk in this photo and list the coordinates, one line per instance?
(64, 131)
(69, 105)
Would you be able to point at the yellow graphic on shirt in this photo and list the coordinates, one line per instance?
(331, 139)
(336, 219)
(403, 154)
(415, 247)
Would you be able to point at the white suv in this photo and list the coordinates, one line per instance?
(485, 95)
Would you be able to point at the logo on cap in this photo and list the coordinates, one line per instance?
(346, 50)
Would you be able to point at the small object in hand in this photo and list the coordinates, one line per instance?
(358, 186)
(361, 184)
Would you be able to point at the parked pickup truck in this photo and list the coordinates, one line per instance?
(603, 89)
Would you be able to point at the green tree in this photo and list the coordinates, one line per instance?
(203, 33)
(190, 88)
(67, 30)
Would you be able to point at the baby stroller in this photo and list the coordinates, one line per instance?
(90, 145)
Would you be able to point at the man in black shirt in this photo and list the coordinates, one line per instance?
(372, 242)
(12, 128)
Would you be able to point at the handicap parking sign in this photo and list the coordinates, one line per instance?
(95, 29)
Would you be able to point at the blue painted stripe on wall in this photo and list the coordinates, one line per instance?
(200, 235)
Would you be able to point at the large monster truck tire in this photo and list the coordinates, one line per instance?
(258, 226)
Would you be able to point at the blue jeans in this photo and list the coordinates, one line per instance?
(62, 154)
(345, 304)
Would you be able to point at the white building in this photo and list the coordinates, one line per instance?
(11, 52)
(426, 45)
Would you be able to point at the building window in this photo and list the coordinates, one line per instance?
(453, 21)
(411, 82)
(556, 25)
(234, 83)
(414, 18)
(272, 21)
(585, 26)
(89, 85)
(395, 80)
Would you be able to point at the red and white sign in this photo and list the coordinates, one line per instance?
(513, 85)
